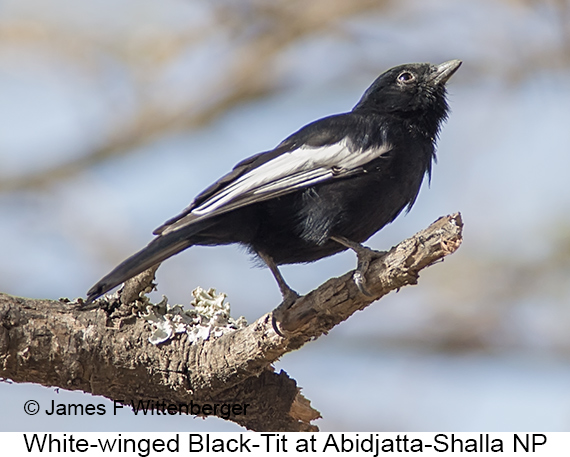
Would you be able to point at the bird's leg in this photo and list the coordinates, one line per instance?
(289, 295)
(364, 256)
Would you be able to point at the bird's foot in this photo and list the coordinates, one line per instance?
(289, 297)
(288, 294)
(364, 257)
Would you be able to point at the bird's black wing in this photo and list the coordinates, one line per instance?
(242, 167)
(318, 152)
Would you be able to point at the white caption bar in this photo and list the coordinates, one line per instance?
(248, 443)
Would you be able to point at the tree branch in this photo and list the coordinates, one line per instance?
(54, 343)
(259, 38)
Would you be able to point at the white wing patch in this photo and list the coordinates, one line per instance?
(299, 168)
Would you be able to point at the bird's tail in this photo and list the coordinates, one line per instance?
(156, 251)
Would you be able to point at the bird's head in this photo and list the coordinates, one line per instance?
(410, 88)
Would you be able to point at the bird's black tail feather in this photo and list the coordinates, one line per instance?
(155, 252)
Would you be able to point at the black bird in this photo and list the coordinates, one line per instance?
(327, 187)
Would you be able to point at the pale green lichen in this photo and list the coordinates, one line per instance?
(209, 317)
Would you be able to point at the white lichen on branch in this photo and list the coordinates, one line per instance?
(209, 317)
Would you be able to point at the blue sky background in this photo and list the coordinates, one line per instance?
(482, 342)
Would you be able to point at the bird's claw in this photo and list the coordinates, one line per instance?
(365, 256)
(289, 297)
(360, 282)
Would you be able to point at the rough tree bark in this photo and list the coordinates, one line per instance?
(55, 343)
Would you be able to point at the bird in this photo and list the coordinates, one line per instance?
(326, 188)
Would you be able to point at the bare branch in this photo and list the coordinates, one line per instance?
(250, 75)
(56, 344)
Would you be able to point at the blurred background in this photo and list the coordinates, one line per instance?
(115, 114)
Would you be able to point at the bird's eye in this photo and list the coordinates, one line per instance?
(406, 77)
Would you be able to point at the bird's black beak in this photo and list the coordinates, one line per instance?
(444, 71)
